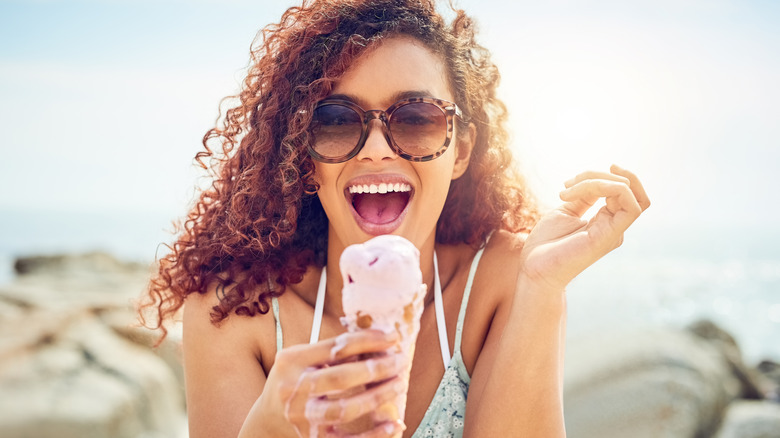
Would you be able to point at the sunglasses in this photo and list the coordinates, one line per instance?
(417, 129)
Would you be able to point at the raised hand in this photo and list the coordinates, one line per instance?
(321, 389)
(563, 244)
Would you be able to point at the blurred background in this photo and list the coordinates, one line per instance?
(103, 104)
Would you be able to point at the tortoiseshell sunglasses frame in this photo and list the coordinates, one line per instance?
(449, 109)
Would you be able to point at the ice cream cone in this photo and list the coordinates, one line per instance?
(383, 290)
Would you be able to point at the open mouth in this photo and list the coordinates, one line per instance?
(379, 203)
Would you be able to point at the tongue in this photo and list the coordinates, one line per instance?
(380, 209)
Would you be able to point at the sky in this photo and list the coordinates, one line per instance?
(103, 103)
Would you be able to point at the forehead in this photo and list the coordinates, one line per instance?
(396, 66)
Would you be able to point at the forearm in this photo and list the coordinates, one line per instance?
(522, 395)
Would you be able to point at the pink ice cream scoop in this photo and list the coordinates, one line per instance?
(383, 290)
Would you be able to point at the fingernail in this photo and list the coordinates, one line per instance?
(394, 427)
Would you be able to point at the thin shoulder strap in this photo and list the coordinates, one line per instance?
(316, 323)
(275, 305)
(466, 293)
(319, 306)
(444, 344)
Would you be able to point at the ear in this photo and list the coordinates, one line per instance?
(464, 146)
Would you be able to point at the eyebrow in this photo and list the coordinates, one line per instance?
(401, 95)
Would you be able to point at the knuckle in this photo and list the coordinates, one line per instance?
(335, 411)
(335, 380)
(351, 411)
(379, 368)
(341, 346)
(285, 357)
(385, 369)
(636, 209)
(389, 391)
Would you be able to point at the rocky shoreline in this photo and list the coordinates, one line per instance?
(74, 363)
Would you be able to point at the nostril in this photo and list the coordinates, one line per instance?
(377, 144)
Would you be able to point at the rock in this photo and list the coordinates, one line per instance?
(646, 383)
(123, 321)
(86, 381)
(770, 371)
(69, 363)
(751, 419)
(752, 383)
(68, 264)
(93, 280)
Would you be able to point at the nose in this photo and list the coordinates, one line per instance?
(377, 146)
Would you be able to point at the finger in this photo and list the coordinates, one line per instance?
(578, 207)
(330, 411)
(295, 404)
(636, 186)
(361, 342)
(578, 201)
(380, 430)
(620, 199)
(354, 374)
(596, 175)
(383, 430)
(329, 351)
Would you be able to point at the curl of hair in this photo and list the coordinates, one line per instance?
(259, 225)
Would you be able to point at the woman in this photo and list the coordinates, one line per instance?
(363, 118)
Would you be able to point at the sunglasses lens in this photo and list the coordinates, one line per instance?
(336, 130)
(418, 128)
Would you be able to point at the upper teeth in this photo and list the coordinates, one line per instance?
(380, 188)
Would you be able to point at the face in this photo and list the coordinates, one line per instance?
(415, 191)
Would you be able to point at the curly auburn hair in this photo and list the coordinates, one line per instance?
(260, 224)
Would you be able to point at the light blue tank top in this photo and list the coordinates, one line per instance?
(445, 414)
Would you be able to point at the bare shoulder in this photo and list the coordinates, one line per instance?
(492, 292)
(496, 278)
(498, 267)
(222, 366)
(507, 242)
(234, 334)
(500, 262)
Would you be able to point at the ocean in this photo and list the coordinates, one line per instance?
(668, 276)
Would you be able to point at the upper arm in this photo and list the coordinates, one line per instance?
(500, 287)
(521, 355)
(223, 376)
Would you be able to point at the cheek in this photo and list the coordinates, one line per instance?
(437, 178)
